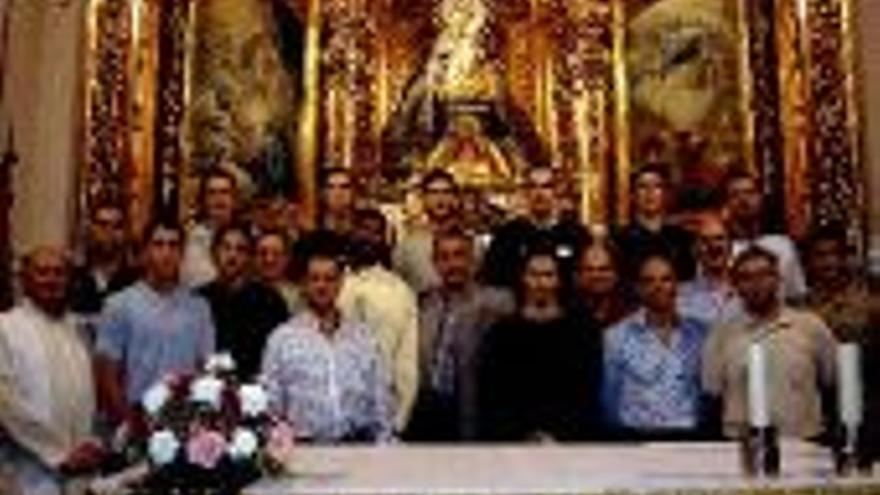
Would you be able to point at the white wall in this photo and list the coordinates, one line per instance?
(43, 102)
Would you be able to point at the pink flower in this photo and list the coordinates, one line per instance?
(205, 449)
(281, 442)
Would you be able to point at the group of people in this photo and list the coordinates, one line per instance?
(549, 332)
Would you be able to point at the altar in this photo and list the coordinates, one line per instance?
(681, 468)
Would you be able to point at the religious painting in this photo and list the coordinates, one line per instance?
(457, 110)
(246, 90)
(685, 73)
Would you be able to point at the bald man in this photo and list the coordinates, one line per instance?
(710, 296)
(46, 388)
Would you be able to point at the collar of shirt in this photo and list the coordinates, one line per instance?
(161, 297)
(31, 309)
(345, 328)
(763, 328)
(685, 327)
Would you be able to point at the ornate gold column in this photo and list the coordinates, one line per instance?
(308, 123)
(587, 57)
(108, 153)
(835, 175)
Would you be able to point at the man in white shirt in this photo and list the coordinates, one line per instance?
(47, 396)
(375, 295)
(218, 201)
(324, 371)
(710, 296)
(412, 254)
(744, 208)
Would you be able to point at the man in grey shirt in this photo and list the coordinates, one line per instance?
(453, 318)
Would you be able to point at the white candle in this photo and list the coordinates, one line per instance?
(849, 389)
(759, 407)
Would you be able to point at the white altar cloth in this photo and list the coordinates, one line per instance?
(680, 468)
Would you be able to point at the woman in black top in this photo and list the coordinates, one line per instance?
(540, 371)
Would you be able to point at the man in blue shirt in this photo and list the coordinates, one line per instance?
(651, 383)
(153, 328)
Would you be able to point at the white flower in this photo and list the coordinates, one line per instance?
(254, 400)
(155, 398)
(207, 390)
(219, 363)
(244, 444)
(163, 447)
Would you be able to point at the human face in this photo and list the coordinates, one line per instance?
(338, 194)
(162, 256)
(45, 278)
(541, 193)
(596, 275)
(106, 233)
(454, 261)
(657, 285)
(322, 284)
(744, 199)
(440, 200)
(219, 200)
(233, 255)
(826, 262)
(649, 194)
(757, 283)
(272, 258)
(713, 246)
(541, 281)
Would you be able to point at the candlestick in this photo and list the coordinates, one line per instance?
(849, 375)
(759, 408)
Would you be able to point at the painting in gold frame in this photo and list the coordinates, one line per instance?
(684, 93)
(246, 93)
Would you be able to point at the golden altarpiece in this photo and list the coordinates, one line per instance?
(276, 90)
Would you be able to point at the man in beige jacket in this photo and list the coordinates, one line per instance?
(46, 389)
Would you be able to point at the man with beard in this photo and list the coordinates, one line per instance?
(800, 351)
(453, 317)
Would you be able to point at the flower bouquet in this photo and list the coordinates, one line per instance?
(206, 433)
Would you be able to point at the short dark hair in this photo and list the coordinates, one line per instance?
(162, 223)
(654, 168)
(323, 254)
(453, 233)
(834, 232)
(754, 251)
(606, 244)
(370, 214)
(438, 175)
(655, 254)
(280, 234)
(233, 228)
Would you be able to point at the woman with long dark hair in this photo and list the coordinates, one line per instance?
(540, 368)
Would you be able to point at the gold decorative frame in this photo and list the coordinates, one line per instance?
(566, 66)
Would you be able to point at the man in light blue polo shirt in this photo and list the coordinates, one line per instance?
(153, 328)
